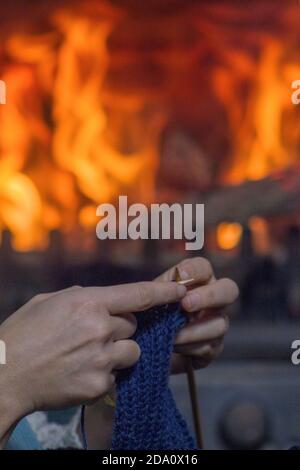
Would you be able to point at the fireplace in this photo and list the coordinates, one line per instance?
(177, 101)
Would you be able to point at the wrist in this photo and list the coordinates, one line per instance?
(8, 420)
(11, 409)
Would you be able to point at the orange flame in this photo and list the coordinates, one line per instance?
(258, 133)
(68, 157)
(69, 142)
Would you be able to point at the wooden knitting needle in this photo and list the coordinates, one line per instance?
(191, 376)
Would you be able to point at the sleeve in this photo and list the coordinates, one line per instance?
(53, 435)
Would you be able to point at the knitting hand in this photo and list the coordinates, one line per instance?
(203, 337)
(63, 349)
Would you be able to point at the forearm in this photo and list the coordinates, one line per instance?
(12, 399)
(6, 428)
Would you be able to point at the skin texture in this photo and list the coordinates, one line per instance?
(64, 349)
(202, 338)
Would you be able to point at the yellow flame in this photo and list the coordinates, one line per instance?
(75, 157)
(69, 142)
(21, 210)
(257, 127)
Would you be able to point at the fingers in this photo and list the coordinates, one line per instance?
(138, 297)
(217, 294)
(123, 327)
(124, 354)
(204, 330)
(197, 268)
(202, 354)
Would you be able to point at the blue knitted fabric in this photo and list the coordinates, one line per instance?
(146, 413)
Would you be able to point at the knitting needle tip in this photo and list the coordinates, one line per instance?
(184, 282)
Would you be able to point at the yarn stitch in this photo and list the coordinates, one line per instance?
(146, 413)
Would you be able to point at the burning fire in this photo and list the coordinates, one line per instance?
(70, 142)
(262, 138)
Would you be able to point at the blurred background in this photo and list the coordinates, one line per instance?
(174, 101)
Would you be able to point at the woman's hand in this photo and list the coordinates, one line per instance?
(63, 349)
(203, 337)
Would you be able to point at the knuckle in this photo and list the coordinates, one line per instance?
(144, 296)
(220, 349)
(88, 388)
(104, 384)
(104, 330)
(92, 392)
(184, 264)
(198, 263)
(205, 266)
(38, 298)
(131, 326)
(227, 322)
(84, 309)
(97, 329)
(103, 362)
(209, 350)
(98, 386)
(95, 389)
(231, 289)
(211, 295)
(222, 326)
(87, 328)
(133, 322)
(205, 263)
(209, 353)
(205, 355)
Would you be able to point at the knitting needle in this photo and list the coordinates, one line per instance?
(191, 375)
(188, 282)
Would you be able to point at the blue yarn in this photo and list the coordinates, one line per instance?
(146, 414)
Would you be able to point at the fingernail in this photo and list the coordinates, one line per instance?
(181, 290)
(183, 274)
(192, 300)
